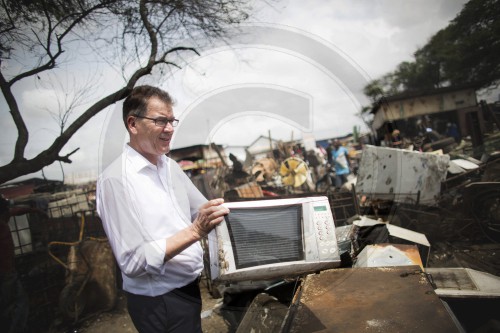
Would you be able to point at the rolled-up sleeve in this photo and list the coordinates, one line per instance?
(155, 254)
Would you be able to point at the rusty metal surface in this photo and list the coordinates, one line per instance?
(395, 299)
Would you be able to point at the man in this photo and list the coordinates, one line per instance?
(340, 161)
(238, 176)
(396, 141)
(154, 218)
(329, 150)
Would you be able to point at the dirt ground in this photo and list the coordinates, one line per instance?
(118, 320)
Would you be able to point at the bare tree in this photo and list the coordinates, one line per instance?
(136, 36)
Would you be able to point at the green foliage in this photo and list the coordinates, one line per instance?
(472, 46)
(466, 52)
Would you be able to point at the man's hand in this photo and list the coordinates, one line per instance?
(210, 215)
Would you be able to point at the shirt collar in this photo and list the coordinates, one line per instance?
(138, 161)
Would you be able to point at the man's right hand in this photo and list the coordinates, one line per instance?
(210, 215)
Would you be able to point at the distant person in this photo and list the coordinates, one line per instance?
(320, 151)
(237, 167)
(237, 176)
(154, 218)
(313, 161)
(396, 140)
(340, 159)
(298, 152)
(329, 150)
(452, 130)
(317, 160)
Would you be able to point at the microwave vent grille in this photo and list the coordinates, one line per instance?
(266, 235)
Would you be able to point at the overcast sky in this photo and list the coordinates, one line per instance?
(299, 72)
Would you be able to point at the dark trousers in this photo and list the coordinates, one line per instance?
(176, 311)
(340, 180)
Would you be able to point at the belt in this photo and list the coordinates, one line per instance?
(191, 289)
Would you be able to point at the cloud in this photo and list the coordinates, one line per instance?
(376, 34)
(265, 66)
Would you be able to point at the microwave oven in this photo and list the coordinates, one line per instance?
(271, 239)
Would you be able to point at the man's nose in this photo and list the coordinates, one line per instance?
(168, 127)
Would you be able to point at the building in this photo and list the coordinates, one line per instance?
(206, 156)
(26, 188)
(436, 109)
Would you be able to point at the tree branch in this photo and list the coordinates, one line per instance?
(23, 135)
(65, 158)
(50, 64)
(181, 48)
(151, 33)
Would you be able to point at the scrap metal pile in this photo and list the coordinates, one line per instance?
(419, 216)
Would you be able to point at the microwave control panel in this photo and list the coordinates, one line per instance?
(324, 228)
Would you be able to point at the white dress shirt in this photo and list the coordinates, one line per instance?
(140, 205)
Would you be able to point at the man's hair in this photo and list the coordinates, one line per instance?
(137, 101)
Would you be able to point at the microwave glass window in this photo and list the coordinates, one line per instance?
(266, 235)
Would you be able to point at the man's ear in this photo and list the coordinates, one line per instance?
(131, 124)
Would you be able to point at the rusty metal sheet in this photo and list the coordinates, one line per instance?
(395, 299)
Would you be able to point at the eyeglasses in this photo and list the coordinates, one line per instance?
(161, 121)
